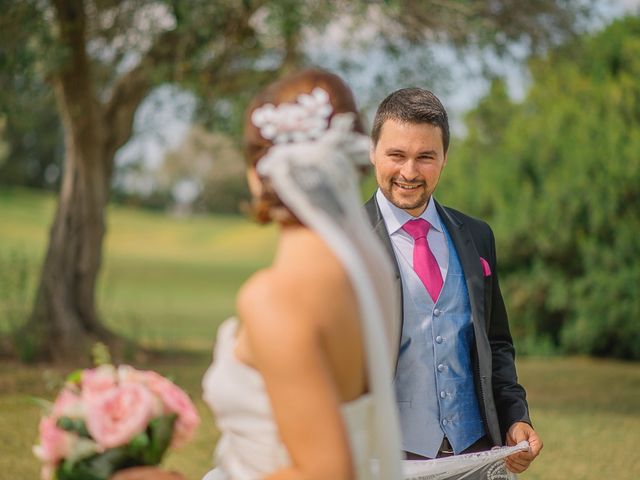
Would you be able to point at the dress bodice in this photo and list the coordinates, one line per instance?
(249, 446)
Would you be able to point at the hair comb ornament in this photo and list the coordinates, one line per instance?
(310, 151)
(331, 148)
(304, 120)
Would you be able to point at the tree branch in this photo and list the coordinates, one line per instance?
(170, 47)
(131, 89)
(73, 79)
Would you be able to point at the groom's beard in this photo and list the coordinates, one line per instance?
(407, 195)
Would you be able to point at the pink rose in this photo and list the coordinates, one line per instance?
(55, 443)
(68, 404)
(117, 415)
(128, 374)
(47, 471)
(178, 402)
(97, 381)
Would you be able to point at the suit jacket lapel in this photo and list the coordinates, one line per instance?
(470, 260)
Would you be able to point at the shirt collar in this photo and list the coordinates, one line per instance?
(395, 218)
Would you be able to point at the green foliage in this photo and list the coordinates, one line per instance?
(14, 287)
(156, 439)
(73, 425)
(32, 129)
(167, 282)
(224, 51)
(15, 301)
(227, 196)
(97, 467)
(570, 399)
(558, 177)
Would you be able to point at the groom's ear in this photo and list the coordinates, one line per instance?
(372, 149)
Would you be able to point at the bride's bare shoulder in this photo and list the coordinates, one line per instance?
(303, 295)
(257, 291)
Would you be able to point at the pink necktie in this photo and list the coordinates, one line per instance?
(424, 262)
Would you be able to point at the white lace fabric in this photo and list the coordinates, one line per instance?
(487, 465)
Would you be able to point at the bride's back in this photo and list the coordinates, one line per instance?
(307, 292)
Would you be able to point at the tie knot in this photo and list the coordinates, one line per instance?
(417, 228)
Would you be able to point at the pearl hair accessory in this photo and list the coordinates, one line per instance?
(304, 120)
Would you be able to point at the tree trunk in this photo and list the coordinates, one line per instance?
(64, 321)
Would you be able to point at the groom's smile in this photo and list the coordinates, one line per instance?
(408, 160)
(406, 186)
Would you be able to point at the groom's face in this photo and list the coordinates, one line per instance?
(408, 159)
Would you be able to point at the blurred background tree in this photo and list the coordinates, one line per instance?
(205, 173)
(558, 178)
(99, 59)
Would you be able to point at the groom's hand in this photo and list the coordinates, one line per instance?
(519, 431)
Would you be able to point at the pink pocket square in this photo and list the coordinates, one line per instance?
(485, 267)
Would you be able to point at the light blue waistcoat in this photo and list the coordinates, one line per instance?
(434, 380)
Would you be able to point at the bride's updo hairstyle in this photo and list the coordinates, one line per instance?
(267, 207)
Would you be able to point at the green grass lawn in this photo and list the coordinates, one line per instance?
(165, 281)
(587, 412)
(169, 282)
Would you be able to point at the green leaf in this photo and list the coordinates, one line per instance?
(100, 354)
(160, 432)
(84, 448)
(75, 425)
(97, 467)
(45, 405)
(138, 444)
(75, 377)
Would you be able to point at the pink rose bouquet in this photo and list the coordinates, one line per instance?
(106, 419)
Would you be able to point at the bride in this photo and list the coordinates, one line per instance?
(301, 379)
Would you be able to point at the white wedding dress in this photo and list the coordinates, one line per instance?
(317, 180)
(250, 447)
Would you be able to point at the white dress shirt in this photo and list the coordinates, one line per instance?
(395, 218)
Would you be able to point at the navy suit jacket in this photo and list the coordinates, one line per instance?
(502, 399)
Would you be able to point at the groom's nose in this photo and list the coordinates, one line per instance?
(409, 170)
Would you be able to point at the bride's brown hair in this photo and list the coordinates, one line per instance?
(267, 206)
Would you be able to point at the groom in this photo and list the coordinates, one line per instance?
(455, 382)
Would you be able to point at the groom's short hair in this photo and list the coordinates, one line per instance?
(412, 105)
